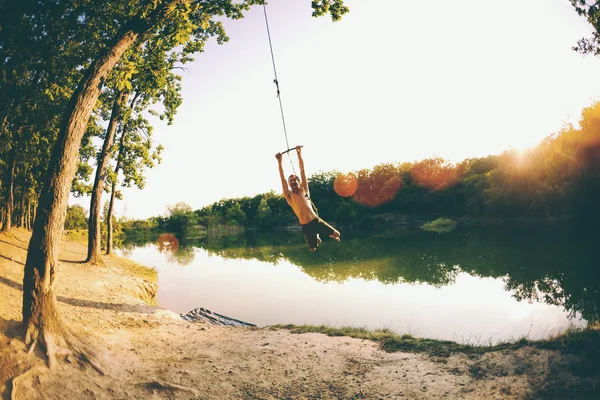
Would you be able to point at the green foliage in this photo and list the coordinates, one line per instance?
(234, 214)
(440, 225)
(584, 343)
(180, 217)
(591, 12)
(393, 342)
(76, 217)
(334, 7)
(132, 226)
(264, 213)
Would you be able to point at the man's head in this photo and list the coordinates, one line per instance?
(294, 182)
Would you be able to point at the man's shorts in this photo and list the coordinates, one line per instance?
(314, 227)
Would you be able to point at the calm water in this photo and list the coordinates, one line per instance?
(471, 285)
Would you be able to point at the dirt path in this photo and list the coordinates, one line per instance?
(151, 353)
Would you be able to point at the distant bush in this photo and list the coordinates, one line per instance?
(440, 225)
(76, 218)
(76, 235)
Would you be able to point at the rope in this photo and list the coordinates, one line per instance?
(276, 81)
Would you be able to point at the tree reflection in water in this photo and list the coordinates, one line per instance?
(549, 263)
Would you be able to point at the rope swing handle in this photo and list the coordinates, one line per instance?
(288, 150)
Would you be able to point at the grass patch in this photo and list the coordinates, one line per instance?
(138, 270)
(440, 225)
(584, 342)
(148, 273)
(76, 235)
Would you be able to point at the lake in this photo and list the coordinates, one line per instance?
(472, 285)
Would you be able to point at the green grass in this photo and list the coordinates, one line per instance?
(141, 271)
(572, 341)
(76, 235)
(440, 225)
(148, 273)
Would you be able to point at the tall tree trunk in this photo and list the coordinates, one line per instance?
(35, 204)
(22, 205)
(2, 132)
(109, 224)
(41, 321)
(93, 255)
(113, 192)
(40, 317)
(28, 220)
(2, 210)
(9, 179)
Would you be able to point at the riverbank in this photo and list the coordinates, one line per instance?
(378, 222)
(149, 352)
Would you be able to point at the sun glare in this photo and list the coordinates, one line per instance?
(521, 154)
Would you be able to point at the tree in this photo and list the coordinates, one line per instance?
(9, 190)
(180, 217)
(76, 217)
(235, 214)
(42, 46)
(147, 73)
(591, 12)
(40, 316)
(93, 255)
(264, 216)
(435, 173)
(153, 82)
(130, 23)
(378, 186)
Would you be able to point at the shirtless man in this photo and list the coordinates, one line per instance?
(298, 197)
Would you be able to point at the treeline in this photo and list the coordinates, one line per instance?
(559, 178)
(262, 211)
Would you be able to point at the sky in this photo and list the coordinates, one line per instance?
(393, 81)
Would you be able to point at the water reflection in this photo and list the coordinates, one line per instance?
(552, 265)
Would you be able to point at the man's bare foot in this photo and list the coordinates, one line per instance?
(335, 236)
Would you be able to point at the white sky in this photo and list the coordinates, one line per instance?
(395, 80)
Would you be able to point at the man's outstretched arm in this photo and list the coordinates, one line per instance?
(302, 174)
(284, 185)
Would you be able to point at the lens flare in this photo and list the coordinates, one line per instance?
(435, 174)
(345, 185)
(167, 243)
(377, 186)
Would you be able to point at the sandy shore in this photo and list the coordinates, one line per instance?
(152, 353)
